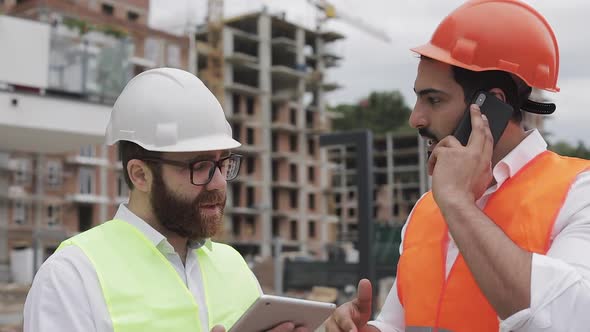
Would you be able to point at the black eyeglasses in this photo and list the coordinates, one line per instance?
(202, 171)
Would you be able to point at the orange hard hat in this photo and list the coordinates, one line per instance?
(507, 35)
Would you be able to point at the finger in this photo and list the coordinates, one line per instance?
(477, 136)
(364, 298)
(450, 142)
(432, 160)
(488, 147)
(283, 327)
(302, 329)
(218, 328)
(331, 326)
(343, 319)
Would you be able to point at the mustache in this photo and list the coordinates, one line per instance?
(211, 197)
(424, 132)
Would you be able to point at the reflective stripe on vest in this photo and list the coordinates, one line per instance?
(525, 208)
(143, 292)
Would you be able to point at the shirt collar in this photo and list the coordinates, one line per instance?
(155, 237)
(522, 154)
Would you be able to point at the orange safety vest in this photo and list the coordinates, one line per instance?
(525, 208)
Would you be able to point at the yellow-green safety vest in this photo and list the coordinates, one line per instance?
(143, 292)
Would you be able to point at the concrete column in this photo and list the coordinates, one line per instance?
(264, 54)
(228, 75)
(39, 211)
(303, 150)
(5, 178)
(323, 154)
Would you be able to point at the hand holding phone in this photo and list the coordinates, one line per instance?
(498, 113)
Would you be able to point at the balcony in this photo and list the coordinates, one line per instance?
(87, 198)
(84, 160)
(55, 104)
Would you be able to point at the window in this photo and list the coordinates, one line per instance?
(338, 211)
(293, 143)
(122, 188)
(108, 9)
(311, 229)
(235, 223)
(309, 119)
(235, 101)
(237, 131)
(250, 165)
(23, 174)
(236, 194)
(250, 225)
(293, 199)
(275, 170)
(250, 196)
(54, 174)
(132, 16)
(311, 198)
(311, 146)
(173, 55)
(294, 230)
(53, 214)
(275, 199)
(351, 212)
(20, 215)
(276, 227)
(250, 105)
(337, 198)
(310, 174)
(293, 172)
(274, 142)
(250, 136)
(274, 113)
(351, 195)
(293, 116)
(153, 49)
(87, 151)
(86, 180)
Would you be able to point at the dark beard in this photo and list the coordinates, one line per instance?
(184, 217)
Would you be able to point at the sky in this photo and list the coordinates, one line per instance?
(372, 65)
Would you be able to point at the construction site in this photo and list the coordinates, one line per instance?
(58, 178)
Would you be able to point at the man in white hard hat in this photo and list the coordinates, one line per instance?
(153, 267)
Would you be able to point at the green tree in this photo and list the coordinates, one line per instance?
(380, 112)
(566, 149)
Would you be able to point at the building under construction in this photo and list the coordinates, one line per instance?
(271, 77)
(399, 175)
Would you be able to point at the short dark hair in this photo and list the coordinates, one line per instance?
(128, 151)
(473, 81)
(515, 89)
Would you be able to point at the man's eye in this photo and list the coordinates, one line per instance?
(433, 100)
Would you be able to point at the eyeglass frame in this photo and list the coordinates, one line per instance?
(191, 163)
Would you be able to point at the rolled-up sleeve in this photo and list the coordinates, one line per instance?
(560, 280)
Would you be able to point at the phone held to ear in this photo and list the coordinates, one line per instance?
(497, 112)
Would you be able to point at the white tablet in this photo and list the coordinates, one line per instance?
(269, 311)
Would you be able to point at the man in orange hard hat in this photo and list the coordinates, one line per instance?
(501, 241)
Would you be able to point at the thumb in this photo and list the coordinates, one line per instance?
(364, 298)
(218, 328)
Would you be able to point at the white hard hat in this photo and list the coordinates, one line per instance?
(169, 110)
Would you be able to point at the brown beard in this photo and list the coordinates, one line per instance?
(184, 217)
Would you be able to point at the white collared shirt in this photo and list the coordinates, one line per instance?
(560, 280)
(66, 294)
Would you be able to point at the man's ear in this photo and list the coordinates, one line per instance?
(499, 93)
(140, 174)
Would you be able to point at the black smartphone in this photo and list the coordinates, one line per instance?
(497, 112)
